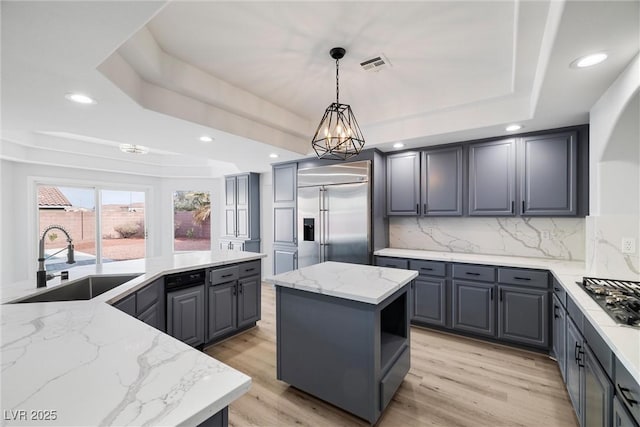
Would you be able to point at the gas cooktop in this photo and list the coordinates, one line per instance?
(619, 298)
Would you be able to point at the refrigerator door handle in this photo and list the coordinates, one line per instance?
(320, 223)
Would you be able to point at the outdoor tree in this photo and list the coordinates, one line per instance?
(199, 203)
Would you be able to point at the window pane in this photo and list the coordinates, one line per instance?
(73, 209)
(192, 221)
(122, 228)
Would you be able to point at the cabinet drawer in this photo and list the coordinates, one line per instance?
(147, 296)
(249, 268)
(223, 275)
(390, 382)
(392, 262)
(428, 268)
(559, 292)
(474, 272)
(627, 389)
(516, 276)
(599, 348)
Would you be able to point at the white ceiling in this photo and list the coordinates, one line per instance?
(257, 75)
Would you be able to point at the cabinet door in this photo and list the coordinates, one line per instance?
(249, 292)
(442, 182)
(549, 176)
(403, 184)
(185, 315)
(230, 206)
(559, 340)
(151, 317)
(522, 315)
(492, 178)
(429, 301)
(598, 393)
(222, 310)
(575, 372)
(474, 307)
(284, 259)
(127, 305)
(621, 417)
(242, 206)
(284, 204)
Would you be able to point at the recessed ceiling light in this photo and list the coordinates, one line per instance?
(273, 155)
(80, 98)
(589, 60)
(513, 128)
(134, 149)
(398, 145)
(206, 138)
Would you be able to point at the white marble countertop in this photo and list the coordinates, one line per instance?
(356, 282)
(623, 340)
(95, 365)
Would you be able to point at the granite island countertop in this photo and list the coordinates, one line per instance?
(623, 340)
(355, 282)
(95, 365)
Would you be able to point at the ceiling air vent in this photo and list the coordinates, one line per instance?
(376, 63)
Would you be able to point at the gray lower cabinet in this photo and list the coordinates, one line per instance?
(285, 259)
(222, 310)
(428, 300)
(559, 341)
(249, 297)
(575, 368)
(441, 182)
(628, 391)
(523, 315)
(598, 392)
(548, 183)
(403, 183)
(492, 183)
(185, 314)
(146, 304)
(621, 417)
(473, 307)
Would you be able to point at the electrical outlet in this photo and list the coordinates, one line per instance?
(628, 245)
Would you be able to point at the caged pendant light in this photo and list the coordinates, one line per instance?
(338, 135)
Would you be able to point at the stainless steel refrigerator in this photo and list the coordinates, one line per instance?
(333, 214)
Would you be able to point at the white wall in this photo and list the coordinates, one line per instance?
(614, 182)
(18, 244)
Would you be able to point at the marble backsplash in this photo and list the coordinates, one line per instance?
(557, 238)
(604, 257)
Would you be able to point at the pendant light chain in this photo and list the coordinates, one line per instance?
(337, 83)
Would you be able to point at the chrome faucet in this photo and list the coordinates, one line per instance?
(42, 275)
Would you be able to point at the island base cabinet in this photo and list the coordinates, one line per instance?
(185, 315)
(249, 296)
(523, 315)
(222, 310)
(351, 354)
(473, 307)
(428, 302)
(220, 419)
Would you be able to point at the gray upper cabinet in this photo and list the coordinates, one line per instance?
(548, 183)
(242, 206)
(284, 204)
(492, 178)
(441, 182)
(403, 183)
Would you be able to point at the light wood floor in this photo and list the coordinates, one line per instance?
(453, 381)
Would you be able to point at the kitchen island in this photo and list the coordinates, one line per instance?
(343, 333)
(87, 363)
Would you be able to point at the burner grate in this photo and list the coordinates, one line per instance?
(620, 299)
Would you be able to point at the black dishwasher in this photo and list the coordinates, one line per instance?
(185, 294)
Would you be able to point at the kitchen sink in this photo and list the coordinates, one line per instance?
(83, 289)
